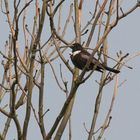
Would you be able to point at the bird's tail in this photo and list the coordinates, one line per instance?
(111, 69)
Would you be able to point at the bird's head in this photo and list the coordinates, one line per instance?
(76, 47)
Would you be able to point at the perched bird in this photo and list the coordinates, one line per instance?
(79, 58)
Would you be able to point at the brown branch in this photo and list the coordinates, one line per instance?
(118, 61)
(5, 113)
(13, 111)
(67, 20)
(55, 43)
(26, 5)
(6, 88)
(7, 126)
(41, 97)
(95, 22)
(106, 123)
(97, 107)
(63, 110)
(8, 17)
(67, 113)
(89, 22)
(32, 61)
(57, 7)
(77, 24)
(57, 81)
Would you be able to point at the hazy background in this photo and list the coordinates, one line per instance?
(125, 123)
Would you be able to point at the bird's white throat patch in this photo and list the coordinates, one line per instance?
(74, 53)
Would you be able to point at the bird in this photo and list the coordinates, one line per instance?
(79, 57)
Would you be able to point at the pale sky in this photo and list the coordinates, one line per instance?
(125, 123)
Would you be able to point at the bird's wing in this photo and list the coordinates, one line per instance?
(86, 55)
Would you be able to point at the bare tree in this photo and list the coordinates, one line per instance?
(27, 52)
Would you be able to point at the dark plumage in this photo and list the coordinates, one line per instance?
(79, 57)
